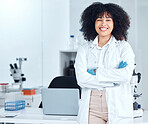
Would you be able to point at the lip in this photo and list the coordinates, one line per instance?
(103, 28)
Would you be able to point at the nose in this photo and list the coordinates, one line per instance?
(103, 22)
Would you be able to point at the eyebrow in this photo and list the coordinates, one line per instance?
(105, 16)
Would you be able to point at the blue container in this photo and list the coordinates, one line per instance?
(14, 106)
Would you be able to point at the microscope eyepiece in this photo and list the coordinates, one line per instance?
(15, 65)
(11, 66)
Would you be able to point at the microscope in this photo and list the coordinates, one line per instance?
(16, 72)
(13, 93)
(137, 110)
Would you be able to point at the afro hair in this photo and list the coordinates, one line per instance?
(97, 9)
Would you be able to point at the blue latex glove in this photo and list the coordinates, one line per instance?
(91, 71)
(122, 64)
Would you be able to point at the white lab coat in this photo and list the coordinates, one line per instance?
(119, 99)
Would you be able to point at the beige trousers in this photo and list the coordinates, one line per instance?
(98, 110)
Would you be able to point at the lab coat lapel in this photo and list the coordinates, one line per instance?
(93, 51)
(93, 47)
(108, 54)
(110, 51)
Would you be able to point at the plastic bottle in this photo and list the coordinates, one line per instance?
(70, 71)
(71, 42)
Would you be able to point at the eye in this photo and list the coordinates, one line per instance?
(99, 19)
(108, 20)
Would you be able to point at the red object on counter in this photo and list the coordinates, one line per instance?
(28, 91)
(3, 83)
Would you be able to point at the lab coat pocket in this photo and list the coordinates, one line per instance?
(125, 106)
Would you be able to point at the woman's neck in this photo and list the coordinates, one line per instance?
(103, 40)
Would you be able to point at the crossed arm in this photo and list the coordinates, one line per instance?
(103, 77)
(121, 65)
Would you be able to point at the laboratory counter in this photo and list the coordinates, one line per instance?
(35, 115)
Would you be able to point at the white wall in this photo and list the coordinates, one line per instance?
(142, 49)
(55, 36)
(36, 29)
(20, 36)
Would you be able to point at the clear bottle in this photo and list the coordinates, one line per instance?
(71, 42)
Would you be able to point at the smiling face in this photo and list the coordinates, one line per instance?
(104, 25)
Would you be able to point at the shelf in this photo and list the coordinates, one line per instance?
(65, 57)
(68, 51)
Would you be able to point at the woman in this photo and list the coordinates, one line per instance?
(104, 66)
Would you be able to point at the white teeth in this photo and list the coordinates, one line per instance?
(103, 29)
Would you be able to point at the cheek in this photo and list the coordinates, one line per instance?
(96, 27)
(97, 23)
(111, 26)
